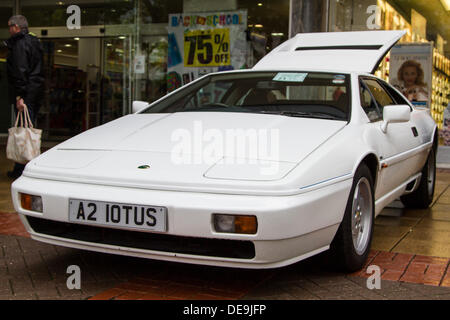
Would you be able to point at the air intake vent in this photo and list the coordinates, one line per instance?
(359, 47)
(143, 240)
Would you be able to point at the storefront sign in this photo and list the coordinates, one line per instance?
(207, 48)
(203, 43)
(411, 70)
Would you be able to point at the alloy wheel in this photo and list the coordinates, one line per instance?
(362, 215)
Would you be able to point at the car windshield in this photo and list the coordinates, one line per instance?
(293, 94)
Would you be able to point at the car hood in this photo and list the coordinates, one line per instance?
(293, 138)
(187, 149)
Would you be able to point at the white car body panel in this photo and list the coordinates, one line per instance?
(298, 208)
(190, 215)
(84, 159)
(140, 128)
(361, 51)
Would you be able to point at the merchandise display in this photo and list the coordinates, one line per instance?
(441, 88)
(60, 118)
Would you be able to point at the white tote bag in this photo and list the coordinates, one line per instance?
(24, 141)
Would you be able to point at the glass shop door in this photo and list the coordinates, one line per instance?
(116, 79)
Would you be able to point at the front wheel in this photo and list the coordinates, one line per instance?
(351, 245)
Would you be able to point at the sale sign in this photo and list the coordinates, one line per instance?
(205, 42)
(207, 48)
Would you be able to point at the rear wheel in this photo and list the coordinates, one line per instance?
(351, 244)
(422, 197)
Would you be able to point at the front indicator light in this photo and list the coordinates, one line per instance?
(30, 202)
(228, 223)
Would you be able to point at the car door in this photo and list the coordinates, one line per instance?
(397, 146)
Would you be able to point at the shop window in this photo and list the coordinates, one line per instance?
(268, 25)
(158, 11)
(6, 11)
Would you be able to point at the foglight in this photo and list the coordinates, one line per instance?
(228, 223)
(30, 202)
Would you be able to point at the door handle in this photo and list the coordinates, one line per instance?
(414, 131)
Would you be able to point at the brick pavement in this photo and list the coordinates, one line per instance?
(10, 224)
(30, 270)
(34, 270)
(411, 268)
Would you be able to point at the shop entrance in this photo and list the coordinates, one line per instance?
(90, 77)
(86, 84)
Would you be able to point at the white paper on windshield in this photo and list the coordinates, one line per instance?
(290, 77)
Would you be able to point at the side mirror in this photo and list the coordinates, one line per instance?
(395, 114)
(139, 105)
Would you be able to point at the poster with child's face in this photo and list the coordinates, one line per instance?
(410, 71)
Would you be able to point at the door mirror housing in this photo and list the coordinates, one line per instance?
(139, 105)
(395, 114)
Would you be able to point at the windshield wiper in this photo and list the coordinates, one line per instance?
(319, 115)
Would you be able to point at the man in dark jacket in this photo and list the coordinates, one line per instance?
(25, 72)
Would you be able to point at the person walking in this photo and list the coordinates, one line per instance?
(25, 73)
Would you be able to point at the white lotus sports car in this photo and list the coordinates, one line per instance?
(256, 168)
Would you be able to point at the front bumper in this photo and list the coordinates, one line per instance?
(290, 228)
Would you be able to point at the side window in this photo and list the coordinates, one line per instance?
(399, 99)
(368, 104)
(381, 96)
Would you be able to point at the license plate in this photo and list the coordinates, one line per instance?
(118, 214)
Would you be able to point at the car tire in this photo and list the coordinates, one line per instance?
(351, 245)
(422, 197)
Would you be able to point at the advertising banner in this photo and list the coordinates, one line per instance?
(411, 71)
(203, 43)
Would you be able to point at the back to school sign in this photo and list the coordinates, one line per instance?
(204, 43)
